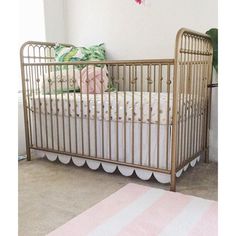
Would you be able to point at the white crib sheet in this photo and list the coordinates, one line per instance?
(117, 100)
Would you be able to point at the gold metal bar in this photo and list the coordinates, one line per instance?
(95, 110)
(154, 78)
(158, 112)
(201, 88)
(50, 102)
(62, 109)
(125, 117)
(130, 83)
(135, 75)
(193, 100)
(57, 120)
(198, 78)
(109, 112)
(133, 112)
(81, 114)
(149, 82)
(183, 105)
(45, 107)
(117, 115)
(141, 119)
(112, 62)
(25, 92)
(68, 105)
(190, 79)
(88, 109)
(168, 82)
(40, 104)
(102, 109)
(75, 111)
(27, 107)
(32, 86)
(180, 109)
(186, 103)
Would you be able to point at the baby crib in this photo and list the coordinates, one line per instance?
(155, 121)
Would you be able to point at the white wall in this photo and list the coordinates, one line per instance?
(54, 12)
(132, 31)
(32, 27)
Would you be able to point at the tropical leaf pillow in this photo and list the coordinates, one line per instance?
(74, 54)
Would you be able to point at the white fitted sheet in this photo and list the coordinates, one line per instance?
(133, 101)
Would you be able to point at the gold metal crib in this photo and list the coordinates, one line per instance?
(156, 119)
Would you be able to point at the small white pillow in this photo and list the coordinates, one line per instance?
(60, 81)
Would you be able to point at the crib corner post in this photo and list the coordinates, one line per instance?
(28, 154)
(24, 95)
(206, 155)
(173, 182)
(173, 160)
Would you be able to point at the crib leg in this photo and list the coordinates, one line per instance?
(173, 183)
(206, 158)
(28, 154)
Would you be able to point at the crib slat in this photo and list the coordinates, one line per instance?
(75, 110)
(63, 112)
(133, 112)
(149, 83)
(125, 117)
(88, 110)
(81, 113)
(102, 110)
(39, 104)
(28, 88)
(95, 111)
(183, 139)
(189, 94)
(117, 115)
(141, 118)
(158, 112)
(168, 81)
(201, 71)
(50, 102)
(109, 112)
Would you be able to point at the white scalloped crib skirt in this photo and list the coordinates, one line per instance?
(108, 167)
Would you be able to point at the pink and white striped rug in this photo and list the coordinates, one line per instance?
(140, 210)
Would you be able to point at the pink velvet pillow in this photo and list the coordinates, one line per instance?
(92, 79)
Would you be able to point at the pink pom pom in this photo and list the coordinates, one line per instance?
(139, 1)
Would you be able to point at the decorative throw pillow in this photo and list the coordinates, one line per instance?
(74, 54)
(94, 79)
(56, 82)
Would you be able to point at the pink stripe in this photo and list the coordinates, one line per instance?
(90, 219)
(208, 223)
(157, 216)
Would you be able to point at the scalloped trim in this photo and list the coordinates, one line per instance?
(110, 167)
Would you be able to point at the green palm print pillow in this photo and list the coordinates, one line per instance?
(74, 54)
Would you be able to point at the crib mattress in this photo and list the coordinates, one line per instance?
(146, 107)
